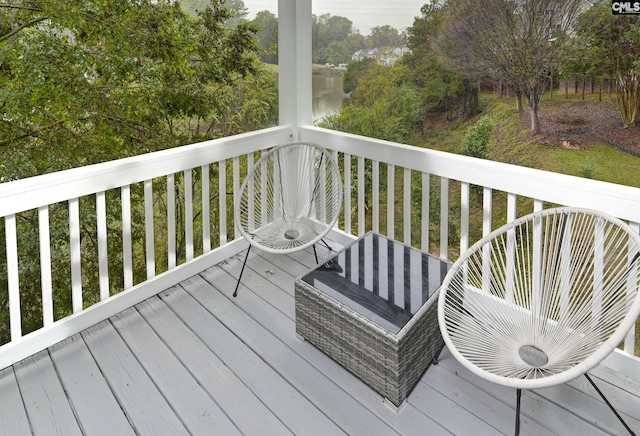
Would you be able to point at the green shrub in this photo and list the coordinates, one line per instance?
(476, 140)
(588, 169)
(392, 116)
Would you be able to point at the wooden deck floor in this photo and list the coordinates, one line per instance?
(193, 360)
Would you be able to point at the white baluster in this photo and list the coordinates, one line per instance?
(11, 240)
(206, 208)
(127, 246)
(149, 233)
(74, 241)
(103, 256)
(45, 266)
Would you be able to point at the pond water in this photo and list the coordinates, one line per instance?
(327, 95)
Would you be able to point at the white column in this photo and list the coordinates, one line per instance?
(294, 60)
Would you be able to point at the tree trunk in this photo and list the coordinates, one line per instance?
(533, 99)
(535, 121)
(471, 104)
(627, 90)
(600, 89)
(551, 84)
(519, 101)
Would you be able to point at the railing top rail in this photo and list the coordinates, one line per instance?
(618, 200)
(52, 188)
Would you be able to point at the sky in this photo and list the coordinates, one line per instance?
(364, 14)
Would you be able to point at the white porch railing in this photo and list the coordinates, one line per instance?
(154, 213)
(441, 203)
(444, 202)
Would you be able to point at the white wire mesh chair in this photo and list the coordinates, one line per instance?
(543, 299)
(290, 199)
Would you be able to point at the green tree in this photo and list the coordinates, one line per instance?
(612, 45)
(355, 72)
(83, 87)
(237, 8)
(384, 106)
(194, 6)
(338, 52)
(328, 29)
(267, 35)
(86, 82)
(512, 41)
(384, 36)
(354, 42)
(443, 89)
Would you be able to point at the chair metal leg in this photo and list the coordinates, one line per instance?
(331, 250)
(235, 293)
(609, 404)
(327, 245)
(518, 396)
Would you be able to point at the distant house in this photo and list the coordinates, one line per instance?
(387, 56)
(391, 56)
(365, 53)
(357, 56)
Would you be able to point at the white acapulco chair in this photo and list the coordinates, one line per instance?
(543, 299)
(290, 199)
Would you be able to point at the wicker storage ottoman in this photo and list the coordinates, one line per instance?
(357, 308)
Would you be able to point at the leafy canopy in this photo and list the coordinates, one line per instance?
(385, 105)
(612, 46)
(84, 82)
(512, 41)
(95, 80)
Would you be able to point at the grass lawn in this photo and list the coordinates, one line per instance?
(608, 164)
(513, 144)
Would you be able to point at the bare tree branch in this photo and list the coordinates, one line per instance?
(19, 7)
(512, 41)
(32, 132)
(15, 31)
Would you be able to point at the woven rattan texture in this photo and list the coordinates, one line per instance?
(390, 364)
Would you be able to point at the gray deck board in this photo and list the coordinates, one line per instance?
(237, 400)
(350, 416)
(562, 409)
(284, 400)
(409, 421)
(96, 409)
(623, 394)
(619, 390)
(195, 360)
(45, 401)
(146, 407)
(199, 412)
(465, 398)
(13, 417)
(437, 407)
(537, 413)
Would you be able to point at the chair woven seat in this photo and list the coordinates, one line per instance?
(543, 299)
(288, 235)
(290, 199)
